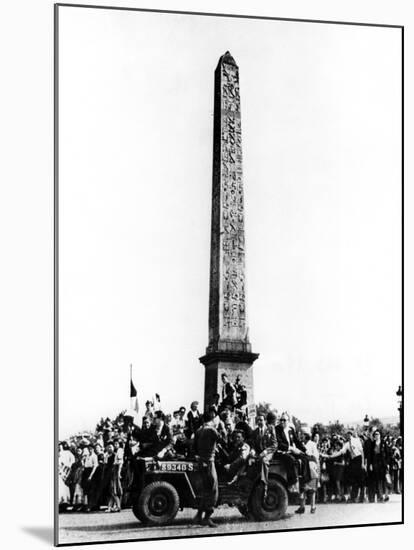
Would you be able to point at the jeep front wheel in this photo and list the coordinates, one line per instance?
(271, 507)
(157, 504)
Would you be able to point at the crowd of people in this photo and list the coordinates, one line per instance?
(365, 466)
(96, 470)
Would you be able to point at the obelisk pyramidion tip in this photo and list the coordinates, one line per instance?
(228, 58)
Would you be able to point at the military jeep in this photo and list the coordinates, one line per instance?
(163, 487)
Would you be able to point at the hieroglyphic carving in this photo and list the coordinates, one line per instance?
(230, 92)
(227, 314)
(233, 292)
(229, 349)
(214, 301)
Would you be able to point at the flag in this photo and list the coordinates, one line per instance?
(133, 395)
(157, 402)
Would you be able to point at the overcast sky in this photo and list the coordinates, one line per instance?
(321, 138)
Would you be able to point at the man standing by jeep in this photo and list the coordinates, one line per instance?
(205, 445)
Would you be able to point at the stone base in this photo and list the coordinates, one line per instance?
(231, 363)
(233, 346)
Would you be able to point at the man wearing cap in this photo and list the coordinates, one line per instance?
(205, 446)
(194, 419)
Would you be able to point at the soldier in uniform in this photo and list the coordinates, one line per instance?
(205, 446)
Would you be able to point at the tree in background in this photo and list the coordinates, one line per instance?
(296, 422)
(264, 407)
(376, 423)
(393, 430)
(335, 428)
(322, 429)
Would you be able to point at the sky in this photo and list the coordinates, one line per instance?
(321, 132)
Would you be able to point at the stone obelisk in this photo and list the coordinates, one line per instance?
(229, 350)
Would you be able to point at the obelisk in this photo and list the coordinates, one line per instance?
(229, 350)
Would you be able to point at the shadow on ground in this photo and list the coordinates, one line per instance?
(43, 533)
(176, 524)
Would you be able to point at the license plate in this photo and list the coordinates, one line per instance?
(175, 466)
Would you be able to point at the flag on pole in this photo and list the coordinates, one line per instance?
(133, 395)
(157, 402)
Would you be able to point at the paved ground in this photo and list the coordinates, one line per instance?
(100, 526)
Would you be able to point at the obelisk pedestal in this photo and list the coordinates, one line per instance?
(229, 349)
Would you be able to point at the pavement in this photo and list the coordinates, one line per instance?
(101, 526)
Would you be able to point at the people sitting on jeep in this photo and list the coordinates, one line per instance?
(294, 451)
(164, 485)
(237, 457)
(263, 441)
(157, 439)
(144, 437)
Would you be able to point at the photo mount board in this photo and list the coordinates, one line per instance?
(68, 196)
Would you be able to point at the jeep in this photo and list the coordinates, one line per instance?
(163, 487)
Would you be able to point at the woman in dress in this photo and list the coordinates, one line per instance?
(66, 459)
(337, 469)
(76, 481)
(324, 479)
(130, 451)
(115, 459)
(310, 487)
(396, 464)
(377, 458)
(90, 464)
(97, 482)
